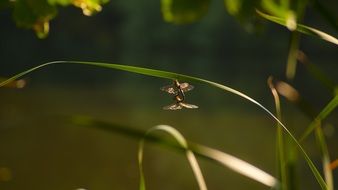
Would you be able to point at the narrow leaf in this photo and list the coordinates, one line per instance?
(231, 162)
(321, 116)
(173, 76)
(183, 144)
(301, 28)
(293, 96)
(280, 150)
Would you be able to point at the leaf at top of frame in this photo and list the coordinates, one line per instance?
(184, 11)
(301, 28)
(89, 7)
(244, 12)
(34, 14)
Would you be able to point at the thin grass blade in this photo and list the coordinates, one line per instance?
(173, 76)
(325, 157)
(236, 165)
(183, 143)
(321, 116)
(294, 97)
(301, 28)
(231, 162)
(14, 84)
(291, 65)
(280, 150)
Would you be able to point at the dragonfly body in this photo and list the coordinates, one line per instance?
(178, 89)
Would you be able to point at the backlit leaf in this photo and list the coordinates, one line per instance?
(301, 28)
(184, 11)
(34, 14)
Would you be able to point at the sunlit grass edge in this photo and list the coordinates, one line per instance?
(173, 76)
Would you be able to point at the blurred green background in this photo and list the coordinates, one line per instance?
(40, 149)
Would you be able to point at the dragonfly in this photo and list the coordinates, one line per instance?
(178, 89)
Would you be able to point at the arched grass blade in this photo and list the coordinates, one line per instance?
(231, 162)
(173, 76)
(301, 28)
(183, 143)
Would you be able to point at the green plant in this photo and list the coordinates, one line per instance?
(36, 14)
(173, 76)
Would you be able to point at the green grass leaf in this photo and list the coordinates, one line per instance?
(291, 65)
(183, 144)
(34, 14)
(294, 97)
(301, 28)
(325, 157)
(280, 150)
(320, 117)
(173, 76)
(231, 162)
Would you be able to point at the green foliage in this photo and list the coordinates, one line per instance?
(182, 144)
(36, 14)
(224, 159)
(301, 28)
(184, 11)
(173, 76)
(243, 10)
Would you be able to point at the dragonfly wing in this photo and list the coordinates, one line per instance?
(170, 89)
(186, 87)
(174, 106)
(190, 106)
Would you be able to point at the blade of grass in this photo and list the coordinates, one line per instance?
(273, 8)
(318, 130)
(173, 76)
(231, 162)
(236, 164)
(291, 64)
(14, 84)
(320, 117)
(280, 150)
(325, 157)
(183, 144)
(301, 28)
(298, 15)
